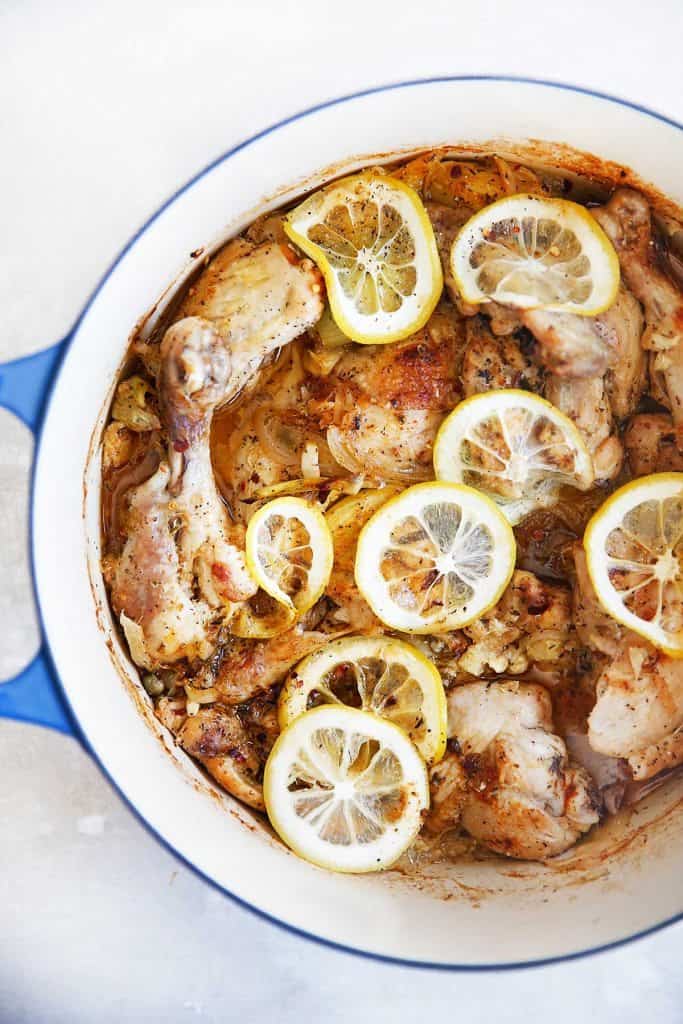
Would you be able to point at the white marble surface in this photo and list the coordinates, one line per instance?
(105, 109)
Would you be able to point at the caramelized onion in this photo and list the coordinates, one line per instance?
(340, 452)
(279, 441)
(135, 639)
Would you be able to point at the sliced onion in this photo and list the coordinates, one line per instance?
(135, 638)
(340, 452)
(321, 361)
(310, 461)
(284, 454)
(329, 333)
(199, 696)
(297, 486)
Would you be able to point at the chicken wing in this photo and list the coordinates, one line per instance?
(248, 667)
(627, 221)
(518, 794)
(585, 401)
(597, 372)
(627, 373)
(232, 743)
(181, 570)
(570, 345)
(638, 713)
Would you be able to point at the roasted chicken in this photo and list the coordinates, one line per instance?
(508, 780)
(556, 713)
(181, 570)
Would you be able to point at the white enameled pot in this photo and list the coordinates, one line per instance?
(492, 913)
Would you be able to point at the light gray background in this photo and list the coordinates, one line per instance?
(105, 108)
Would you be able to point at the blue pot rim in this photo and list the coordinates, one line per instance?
(285, 926)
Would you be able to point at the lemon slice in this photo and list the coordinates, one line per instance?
(289, 551)
(373, 241)
(514, 446)
(345, 789)
(379, 674)
(634, 552)
(434, 558)
(532, 252)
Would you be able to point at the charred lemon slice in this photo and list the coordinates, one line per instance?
(634, 552)
(289, 551)
(372, 239)
(533, 252)
(434, 558)
(379, 674)
(345, 789)
(514, 446)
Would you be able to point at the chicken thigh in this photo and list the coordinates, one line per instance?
(627, 221)
(382, 405)
(638, 712)
(516, 793)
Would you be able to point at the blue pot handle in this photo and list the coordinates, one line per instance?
(33, 695)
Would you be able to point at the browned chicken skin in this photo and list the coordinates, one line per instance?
(382, 405)
(232, 743)
(650, 442)
(496, 361)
